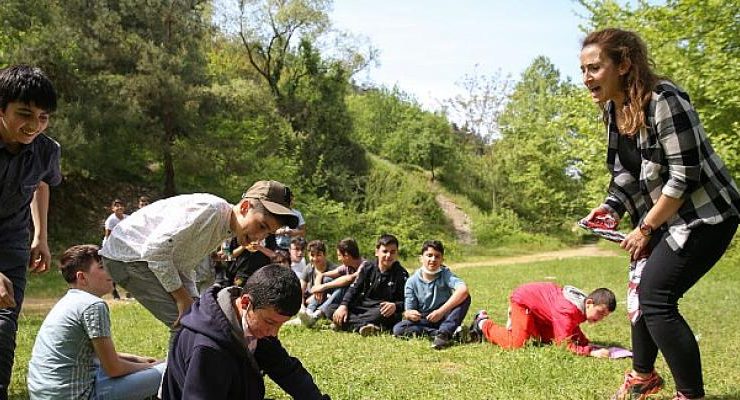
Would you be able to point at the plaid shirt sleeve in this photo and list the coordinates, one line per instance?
(676, 122)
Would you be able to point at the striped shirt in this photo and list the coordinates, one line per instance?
(678, 161)
(62, 360)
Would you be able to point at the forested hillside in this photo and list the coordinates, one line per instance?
(203, 96)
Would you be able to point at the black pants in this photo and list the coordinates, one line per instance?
(665, 279)
(9, 327)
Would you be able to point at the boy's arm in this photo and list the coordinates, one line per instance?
(114, 365)
(459, 295)
(40, 254)
(7, 299)
(566, 330)
(411, 303)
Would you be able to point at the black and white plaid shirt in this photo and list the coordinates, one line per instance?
(676, 160)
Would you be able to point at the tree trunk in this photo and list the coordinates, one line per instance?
(168, 140)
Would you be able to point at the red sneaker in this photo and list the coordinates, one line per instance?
(636, 388)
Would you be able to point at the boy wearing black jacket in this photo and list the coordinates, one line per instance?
(374, 302)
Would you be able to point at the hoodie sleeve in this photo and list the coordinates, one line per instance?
(356, 286)
(286, 371)
(202, 381)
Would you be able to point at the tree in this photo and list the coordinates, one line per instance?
(130, 77)
(480, 105)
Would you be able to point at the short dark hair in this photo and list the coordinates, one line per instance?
(281, 257)
(603, 296)
(28, 85)
(435, 244)
(258, 207)
(274, 286)
(316, 246)
(386, 240)
(77, 258)
(299, 241)
(144, 199)
(117, 202)
(348, 246)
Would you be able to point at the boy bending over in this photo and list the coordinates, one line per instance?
(549, 313)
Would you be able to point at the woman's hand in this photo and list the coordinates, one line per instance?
(635, 243)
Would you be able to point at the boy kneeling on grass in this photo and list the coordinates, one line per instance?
(549, 313)
(74, 356)
(436, 300)
(228, 341)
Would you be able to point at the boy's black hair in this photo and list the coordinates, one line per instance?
(435, 244)
(316, 246)
(116, 202)
(274, 286)
(348, 246)
(28, 85)
(281, 257)
(604, 296)
(258, 207)
(386, 240)
(77, 258)
(299, 241)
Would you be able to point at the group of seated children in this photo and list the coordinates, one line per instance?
(154, 253)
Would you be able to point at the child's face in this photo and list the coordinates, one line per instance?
(254, 226)
(96, 280)
(118, 209)
(431, 259)
(296, 253)
(386, 255)
(20, 123)
(343, 259)
(595, 313)
(317, 258)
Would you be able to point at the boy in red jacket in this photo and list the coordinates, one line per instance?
(548, 313)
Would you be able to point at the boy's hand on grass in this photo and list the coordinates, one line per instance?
(387, 308)
(340, 315)
(7, 298)
(600, 353)
(412, 315)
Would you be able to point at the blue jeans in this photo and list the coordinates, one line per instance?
(9, 327)
(423, 327)
(136, 386)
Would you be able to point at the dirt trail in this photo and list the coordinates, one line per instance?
(590, 250)
(460, 221)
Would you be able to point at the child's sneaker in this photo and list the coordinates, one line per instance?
(307, 319)
(461, 334)
(636, 388)
(680, 396)
(474, 332)
(369, 330)
(441, 340)
(603, 225)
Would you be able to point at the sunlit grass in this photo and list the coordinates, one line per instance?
(348, 366)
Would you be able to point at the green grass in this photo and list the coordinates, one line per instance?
(348, 366)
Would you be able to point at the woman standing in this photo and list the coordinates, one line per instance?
(677, 191)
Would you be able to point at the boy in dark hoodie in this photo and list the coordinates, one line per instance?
(229, 340)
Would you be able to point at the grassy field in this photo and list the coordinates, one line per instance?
(348, 366)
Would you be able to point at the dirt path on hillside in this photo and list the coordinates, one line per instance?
(460, 221)
(590, 250)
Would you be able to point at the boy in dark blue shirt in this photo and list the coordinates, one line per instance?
(29, 164)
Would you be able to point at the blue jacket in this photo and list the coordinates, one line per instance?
(209, 361)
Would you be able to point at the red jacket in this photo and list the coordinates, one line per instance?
(556, 318)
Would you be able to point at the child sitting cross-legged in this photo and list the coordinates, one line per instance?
(436, 300)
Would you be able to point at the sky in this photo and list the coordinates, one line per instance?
(426, 46)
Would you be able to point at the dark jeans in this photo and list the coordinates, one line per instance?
(447, 325)
(368, 312)
(665, 279)
(9, 327)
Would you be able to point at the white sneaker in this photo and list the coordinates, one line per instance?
(294, 322)
(369, 330)
(307, 319)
